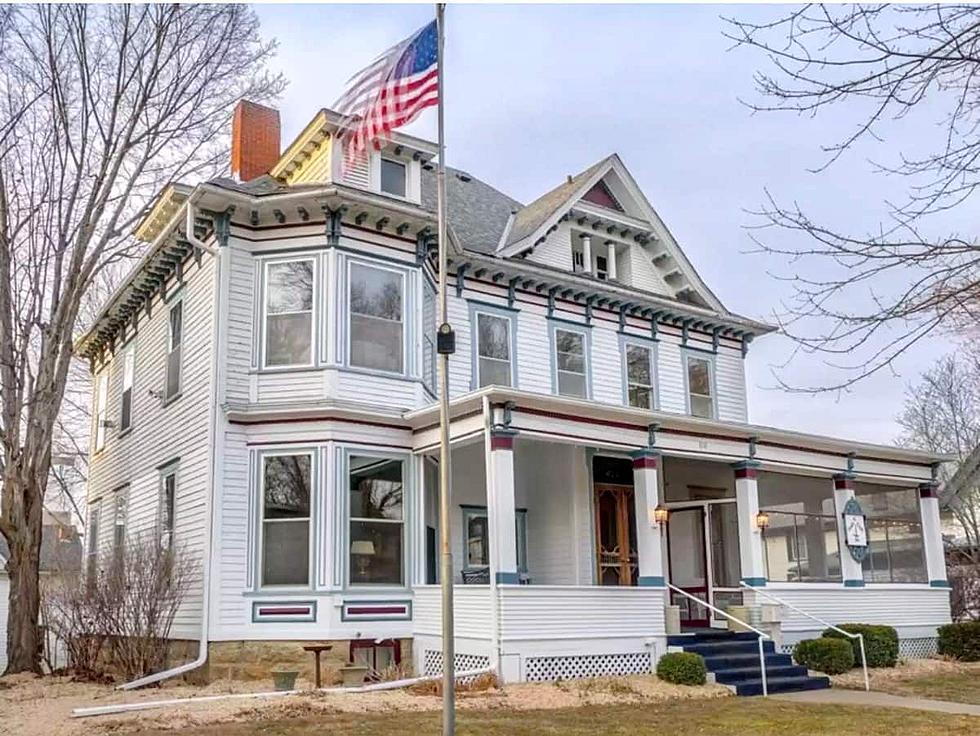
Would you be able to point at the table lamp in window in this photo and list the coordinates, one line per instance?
(363, 551)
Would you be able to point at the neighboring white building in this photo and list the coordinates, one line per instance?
(271, 408)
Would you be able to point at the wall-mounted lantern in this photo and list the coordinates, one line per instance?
(762, 521)
(660, 514)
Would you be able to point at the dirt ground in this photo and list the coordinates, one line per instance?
(31, 706)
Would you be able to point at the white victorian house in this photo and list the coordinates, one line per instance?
(265, 398)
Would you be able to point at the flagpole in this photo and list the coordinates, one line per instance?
(446, 578)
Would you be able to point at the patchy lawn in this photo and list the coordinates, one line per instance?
(936, 679)
(720, 717)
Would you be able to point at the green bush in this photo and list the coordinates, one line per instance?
(830, 656)
(960, 641)
(682, 668)
(880, 643)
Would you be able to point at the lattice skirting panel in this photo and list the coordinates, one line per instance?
(920, 648)
(586, 665)
(432, 662)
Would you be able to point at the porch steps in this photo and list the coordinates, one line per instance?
(733, 659)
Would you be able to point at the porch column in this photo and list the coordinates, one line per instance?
(750, 544)
(501, 511)
(850, 569)
(611, 261)
(932, 536)
(587, 252)
(646, 497)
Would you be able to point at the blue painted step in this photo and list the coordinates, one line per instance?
(733, 658)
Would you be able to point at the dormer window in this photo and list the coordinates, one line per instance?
(393, 177)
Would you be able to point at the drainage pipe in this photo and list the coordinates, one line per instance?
(105, 710)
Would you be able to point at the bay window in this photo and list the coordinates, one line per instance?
(571, 362)
(700, 386)
(494, 362)
(377, 329)
(639, 375)
(289, 313)
(286, 484)
(376, 517)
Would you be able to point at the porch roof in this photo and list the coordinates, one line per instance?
(629, 428)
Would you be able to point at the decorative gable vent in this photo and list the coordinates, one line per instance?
(601, 195)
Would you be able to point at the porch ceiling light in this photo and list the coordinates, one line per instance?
(762, 520)
(660, 514)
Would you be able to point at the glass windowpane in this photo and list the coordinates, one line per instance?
(286, 552)
(286, 487)
(393, 177)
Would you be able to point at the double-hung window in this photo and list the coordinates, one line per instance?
(571, 363)
(126, 400)
(377, 328)
(119, 503)
(376, 521)
(92, 543)
(476, 530)
(393, 177)
(429, 338)
(168, 506)
(286, 484)
(494, 361)
(640, 390)
(700, 386)
(175, 339)
(101, 402)
(289, 313)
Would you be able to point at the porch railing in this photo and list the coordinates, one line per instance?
(761, 634)
(838, 629)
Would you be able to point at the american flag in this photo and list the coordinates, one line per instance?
(391, 92)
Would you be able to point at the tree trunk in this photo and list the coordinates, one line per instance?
(23, 567)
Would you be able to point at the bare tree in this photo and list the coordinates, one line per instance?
(100, 107)
(942, 414)
(863, 299)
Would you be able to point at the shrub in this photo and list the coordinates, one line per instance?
(960, 641)
(830, 656)
(682, 668)
(880, 643)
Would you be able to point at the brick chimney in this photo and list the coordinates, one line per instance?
(254, 140)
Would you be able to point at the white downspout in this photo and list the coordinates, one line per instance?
(202, 653)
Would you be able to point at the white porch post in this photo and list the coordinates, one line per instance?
(587, 253)
(851, 572)
(646, 497)
(932, 535)
(501, 509)
(611, 260)
(750, 545)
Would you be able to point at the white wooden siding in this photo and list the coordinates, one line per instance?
(644, 275)
(163, 432)
(471, 606)
(556, 250)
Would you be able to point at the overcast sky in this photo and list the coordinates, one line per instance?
(535, 93)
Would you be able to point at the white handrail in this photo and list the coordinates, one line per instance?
(762, 634)
(838, 629)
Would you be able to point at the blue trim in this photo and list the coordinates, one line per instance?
(939, 584)
(755, 582)
(625, 340)
(745, 464)
(477, 307)
(586, 332)
(645, 452)
(508, 578)
(853, 583)
(688, 353)
(650, 581)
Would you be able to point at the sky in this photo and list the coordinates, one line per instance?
(534, 93)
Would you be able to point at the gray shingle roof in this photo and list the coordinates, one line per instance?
(478, 213)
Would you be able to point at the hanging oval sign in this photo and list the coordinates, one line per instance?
(855, 530)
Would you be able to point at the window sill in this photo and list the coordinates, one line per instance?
(167, 402)
(125, 432)
(273, 369)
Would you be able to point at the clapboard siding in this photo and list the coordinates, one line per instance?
(607, 365)
(178, 430)
(471, 607)
(232, 564)
(643, 274)
(242, 330)
(670, 376)
(730, 377)
(556, 250)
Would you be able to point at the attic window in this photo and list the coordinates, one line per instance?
(393, 177)
(602, 196)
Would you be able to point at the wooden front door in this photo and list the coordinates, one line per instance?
(615, 534)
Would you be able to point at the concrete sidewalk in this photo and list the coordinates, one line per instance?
(877, 700)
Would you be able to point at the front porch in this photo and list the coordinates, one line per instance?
(562, 556)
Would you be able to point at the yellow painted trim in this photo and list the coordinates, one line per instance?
(163, 209)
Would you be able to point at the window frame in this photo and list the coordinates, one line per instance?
(405, 521)
(382, 159)
(167, 535)
(869, 572)
(795, 562)
(101, 408)
(498, 312)
(556, 325)
(128, 354)
(650, 345)
(402, 274)
(176, 303)
(120, 512)
(264, 313)
(92, 541)
(310, 520)
(471, 511)
(430, 355)
(687, 355)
